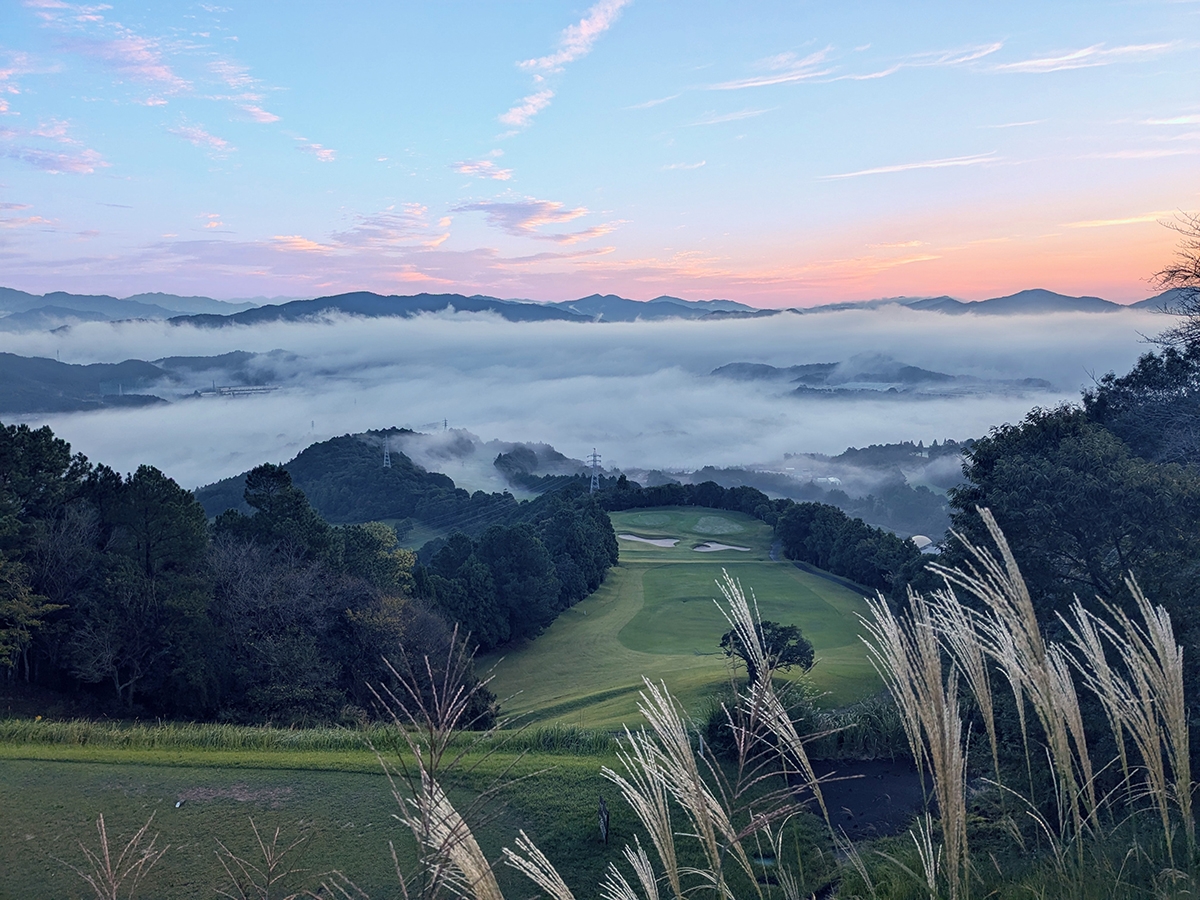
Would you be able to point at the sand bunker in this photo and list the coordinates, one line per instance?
(713, 547)
(657, 542)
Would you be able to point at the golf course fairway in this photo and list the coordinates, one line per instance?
(654, 616)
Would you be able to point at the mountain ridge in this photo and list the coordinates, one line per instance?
(21, 311)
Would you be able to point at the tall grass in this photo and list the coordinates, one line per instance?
(551, 739)
(1135, 668)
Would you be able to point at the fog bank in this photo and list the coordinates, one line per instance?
(640, 393)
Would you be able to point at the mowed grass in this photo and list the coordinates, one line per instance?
(655, 616)
(50, 796)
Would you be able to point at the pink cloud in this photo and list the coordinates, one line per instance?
(258, 114)
(323, 154)
(55, 130)
(482, 168)
(199, 137)
(24, 223)
(83, 162)
(522, 113)
(522, 218)
(577, 40)
(134, 56)
(296, 243)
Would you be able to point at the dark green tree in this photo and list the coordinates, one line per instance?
(1081, 511)
(784, 645)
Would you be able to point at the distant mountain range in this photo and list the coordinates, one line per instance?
(34, 312)
(20, 311)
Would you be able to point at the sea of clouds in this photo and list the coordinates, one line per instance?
(640, 393)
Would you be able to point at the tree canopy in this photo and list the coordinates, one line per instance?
(784, 645)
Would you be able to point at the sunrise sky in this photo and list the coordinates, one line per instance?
(776, 153)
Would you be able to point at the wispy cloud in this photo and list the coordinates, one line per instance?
(249, 96)
(522, 113)
(712, 118)
(1088, 57)
(482, 168)
(258, 114)
(211, 220)
(650, 103)
(787, 68)
(577, 40)
(1015, 124)
(198, 136)
(784, 68)
(695, 165)
(1158, 216)
(133, 56)
(1175, 120)
(82, 162)
(1151, 153)
(523, 218)
(25, 222)
(960, 56)
(323, 154)
(55, 130)
(393, 229)
(953, 161)
(24, 146)
(295, 243)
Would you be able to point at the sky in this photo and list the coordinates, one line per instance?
(780, 153)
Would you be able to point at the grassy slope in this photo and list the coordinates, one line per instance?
(654, 616)
(51, 796)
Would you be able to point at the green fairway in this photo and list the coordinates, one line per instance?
(655, 616)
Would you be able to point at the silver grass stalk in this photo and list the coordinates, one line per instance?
(775, 717)
(1014, 639)
(1147, 701)
(714, 829)
(454, 857)
(930, 856)
(744, 621)
(909, 649)
(615, 887)
(1162, 661)
(535, 866)
(960, 637)
(764, 702)
(645, 790)
(1088, 633)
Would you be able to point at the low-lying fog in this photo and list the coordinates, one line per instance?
(640, 393)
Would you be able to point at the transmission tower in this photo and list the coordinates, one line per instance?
(387, 453)
(594, 459)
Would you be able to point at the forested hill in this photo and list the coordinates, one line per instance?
(345, 480)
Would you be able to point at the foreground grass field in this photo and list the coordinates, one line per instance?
(654, 616)
(51, 793)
